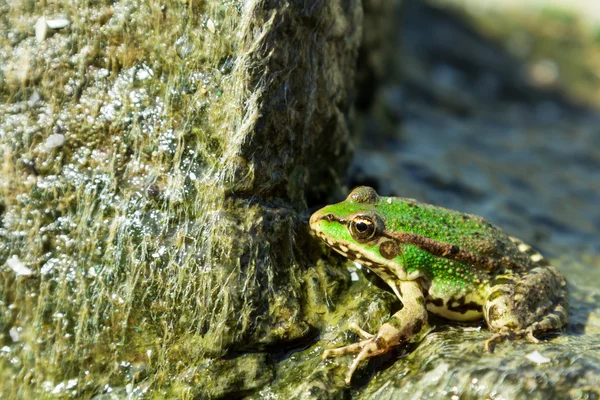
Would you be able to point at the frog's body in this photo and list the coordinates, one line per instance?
(455, 265)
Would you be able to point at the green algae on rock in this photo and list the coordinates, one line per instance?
(162, 230)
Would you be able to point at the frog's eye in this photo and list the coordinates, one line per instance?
(363, 228)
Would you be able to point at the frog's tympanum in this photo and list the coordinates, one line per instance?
(458, 266)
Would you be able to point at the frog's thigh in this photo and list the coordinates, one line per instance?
(550, 294)
(527, 303)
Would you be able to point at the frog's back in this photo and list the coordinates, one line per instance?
(465, 231)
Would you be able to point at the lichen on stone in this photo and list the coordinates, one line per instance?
(156, 159)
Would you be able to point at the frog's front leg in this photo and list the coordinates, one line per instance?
(401, 327)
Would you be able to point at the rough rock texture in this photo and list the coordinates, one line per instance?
(378, 51)
(156, 159)
(156, 164)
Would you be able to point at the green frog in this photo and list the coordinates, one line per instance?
(455, 265)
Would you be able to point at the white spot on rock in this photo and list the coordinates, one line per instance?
(41, 29)
(536, 257)
(524, 247)
(42, 25)
(58, 23)
(537, 358)
(471, 329)
(16, 265)
(14, 334)
(71, 383)
(58, 388)
(211, 26)
(144, 73)
(54, 140)
(34, 99)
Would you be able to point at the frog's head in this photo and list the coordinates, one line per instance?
(355, 228)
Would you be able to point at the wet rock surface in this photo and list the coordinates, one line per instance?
(156, 160)
(456, 122)
(152, 241)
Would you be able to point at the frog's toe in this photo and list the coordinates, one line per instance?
(360, 332)
(366, 349)
(370, 348)
(353, 348)
(489, 344)
(496, 338)
(530, 338)
(528, 334)
(341, 351)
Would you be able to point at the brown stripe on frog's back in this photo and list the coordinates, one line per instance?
(451, 251)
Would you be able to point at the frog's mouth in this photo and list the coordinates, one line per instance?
(342, 248)
(349, 251)
(387, 269)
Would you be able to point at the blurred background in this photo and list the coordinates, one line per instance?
(491, 107)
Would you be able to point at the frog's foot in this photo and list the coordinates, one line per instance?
(554, 320)
(366, 349)
(509, 335)
(353, 348)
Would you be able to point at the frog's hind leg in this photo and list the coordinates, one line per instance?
(526, 303)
